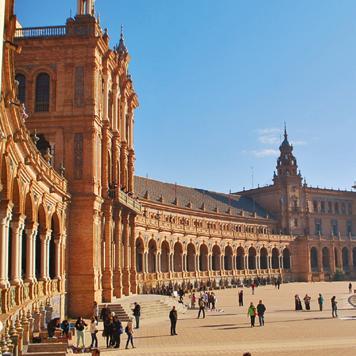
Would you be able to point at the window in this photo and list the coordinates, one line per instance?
(42, 93)
(322, 207)
(349, 227)
(330, 207)
(318, 230)
(336, 208)
(334, 227)
(295, 222)
(349, 208)
(21, 91)
(315, 206)
(343, 208)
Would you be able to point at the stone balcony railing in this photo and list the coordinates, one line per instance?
(16, 296)
(209, 232)
(35, 32)
(129, 202)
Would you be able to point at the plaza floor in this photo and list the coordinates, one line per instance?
(228, 332)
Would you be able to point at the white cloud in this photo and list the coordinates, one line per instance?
(271, 136)
(299, 143)
(265, 152)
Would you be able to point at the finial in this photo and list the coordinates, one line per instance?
(122, 32)
(121, 48)
(285, 130)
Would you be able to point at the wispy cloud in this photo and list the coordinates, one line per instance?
(265, 152)
(299, 143)
(269, 136)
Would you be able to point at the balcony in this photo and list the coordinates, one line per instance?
(36, 32)
(129, 202)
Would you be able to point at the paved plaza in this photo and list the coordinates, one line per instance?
(228, 331)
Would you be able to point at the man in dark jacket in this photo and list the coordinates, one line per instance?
(261, 313)
(173, 316)
(105, 313)
(137, 313)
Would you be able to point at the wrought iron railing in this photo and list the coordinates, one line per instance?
(48, 31)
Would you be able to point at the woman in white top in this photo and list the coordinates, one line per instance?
(93, 331)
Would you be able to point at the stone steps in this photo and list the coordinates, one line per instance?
(46, 349)
(118, 310)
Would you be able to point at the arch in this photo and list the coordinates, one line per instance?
(203, 257)
(240, 256)
(191, 257)
(263, 258)
(21, 88)
(42, 228)
(228, 258)
(5, 183)
(286, 258)
(275, 258)
(16, 197)
(165, 256)
(177, 257)
(42, 92)
(314, 264)
(325, 259)
(139, 254)
(252, 258)
(345, 259)
(216, 257)
(152, 253)
(336, 258)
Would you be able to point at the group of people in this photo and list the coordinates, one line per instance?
(259, 311)
(206, 299)
(320, 299)
(113, 328)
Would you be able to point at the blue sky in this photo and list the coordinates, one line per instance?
(217, 79)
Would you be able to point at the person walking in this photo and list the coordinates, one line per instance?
(201, 308)
(137, 313)
(93, 331)
(320, 302)
(251, 312)
(193, 301)
(79, 327)
(334, 307)
(350, 287)
(173, 316)
(96, 311)
(253, 288)
(105, 313)
(241, 298)
(129, 331)
(307, 302)
(116, 332)
(261, 313)
(108, 326)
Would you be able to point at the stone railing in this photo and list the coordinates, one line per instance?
(15, 296)
(208, 232)
(129, 202)
(35, 32)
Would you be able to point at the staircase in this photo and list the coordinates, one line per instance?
(117, 309)
(47, 349)
(152, 306)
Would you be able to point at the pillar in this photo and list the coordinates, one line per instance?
(133, 272)
(45, 237)
(31, 232)
(18, 225)
(117, 280)
(5, 218)
(125, 240)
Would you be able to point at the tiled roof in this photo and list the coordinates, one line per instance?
(195, 199)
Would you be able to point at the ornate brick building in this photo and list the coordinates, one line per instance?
(93, 231)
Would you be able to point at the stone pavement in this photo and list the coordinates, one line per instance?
(286, 332)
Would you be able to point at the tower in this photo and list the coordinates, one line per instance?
(289, 183)
(85, 7)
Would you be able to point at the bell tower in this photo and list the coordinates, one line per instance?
(288, 181)
(85, 7)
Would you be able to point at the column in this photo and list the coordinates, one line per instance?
(31, 232)
(246, 264)
(125, 239)
(117, 282)
(131, 170)
(210, 263)
(18, 224)
(133, 272)
(57, 256)
(197, 267)
(45, 237)
(5, 218)
(234, 262)
(269, 262)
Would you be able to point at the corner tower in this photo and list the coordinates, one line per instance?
(288, 182)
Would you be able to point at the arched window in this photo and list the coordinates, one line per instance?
(42, 93)
(21, 91)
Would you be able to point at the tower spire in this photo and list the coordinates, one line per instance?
(121, 48)
(285, 131)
